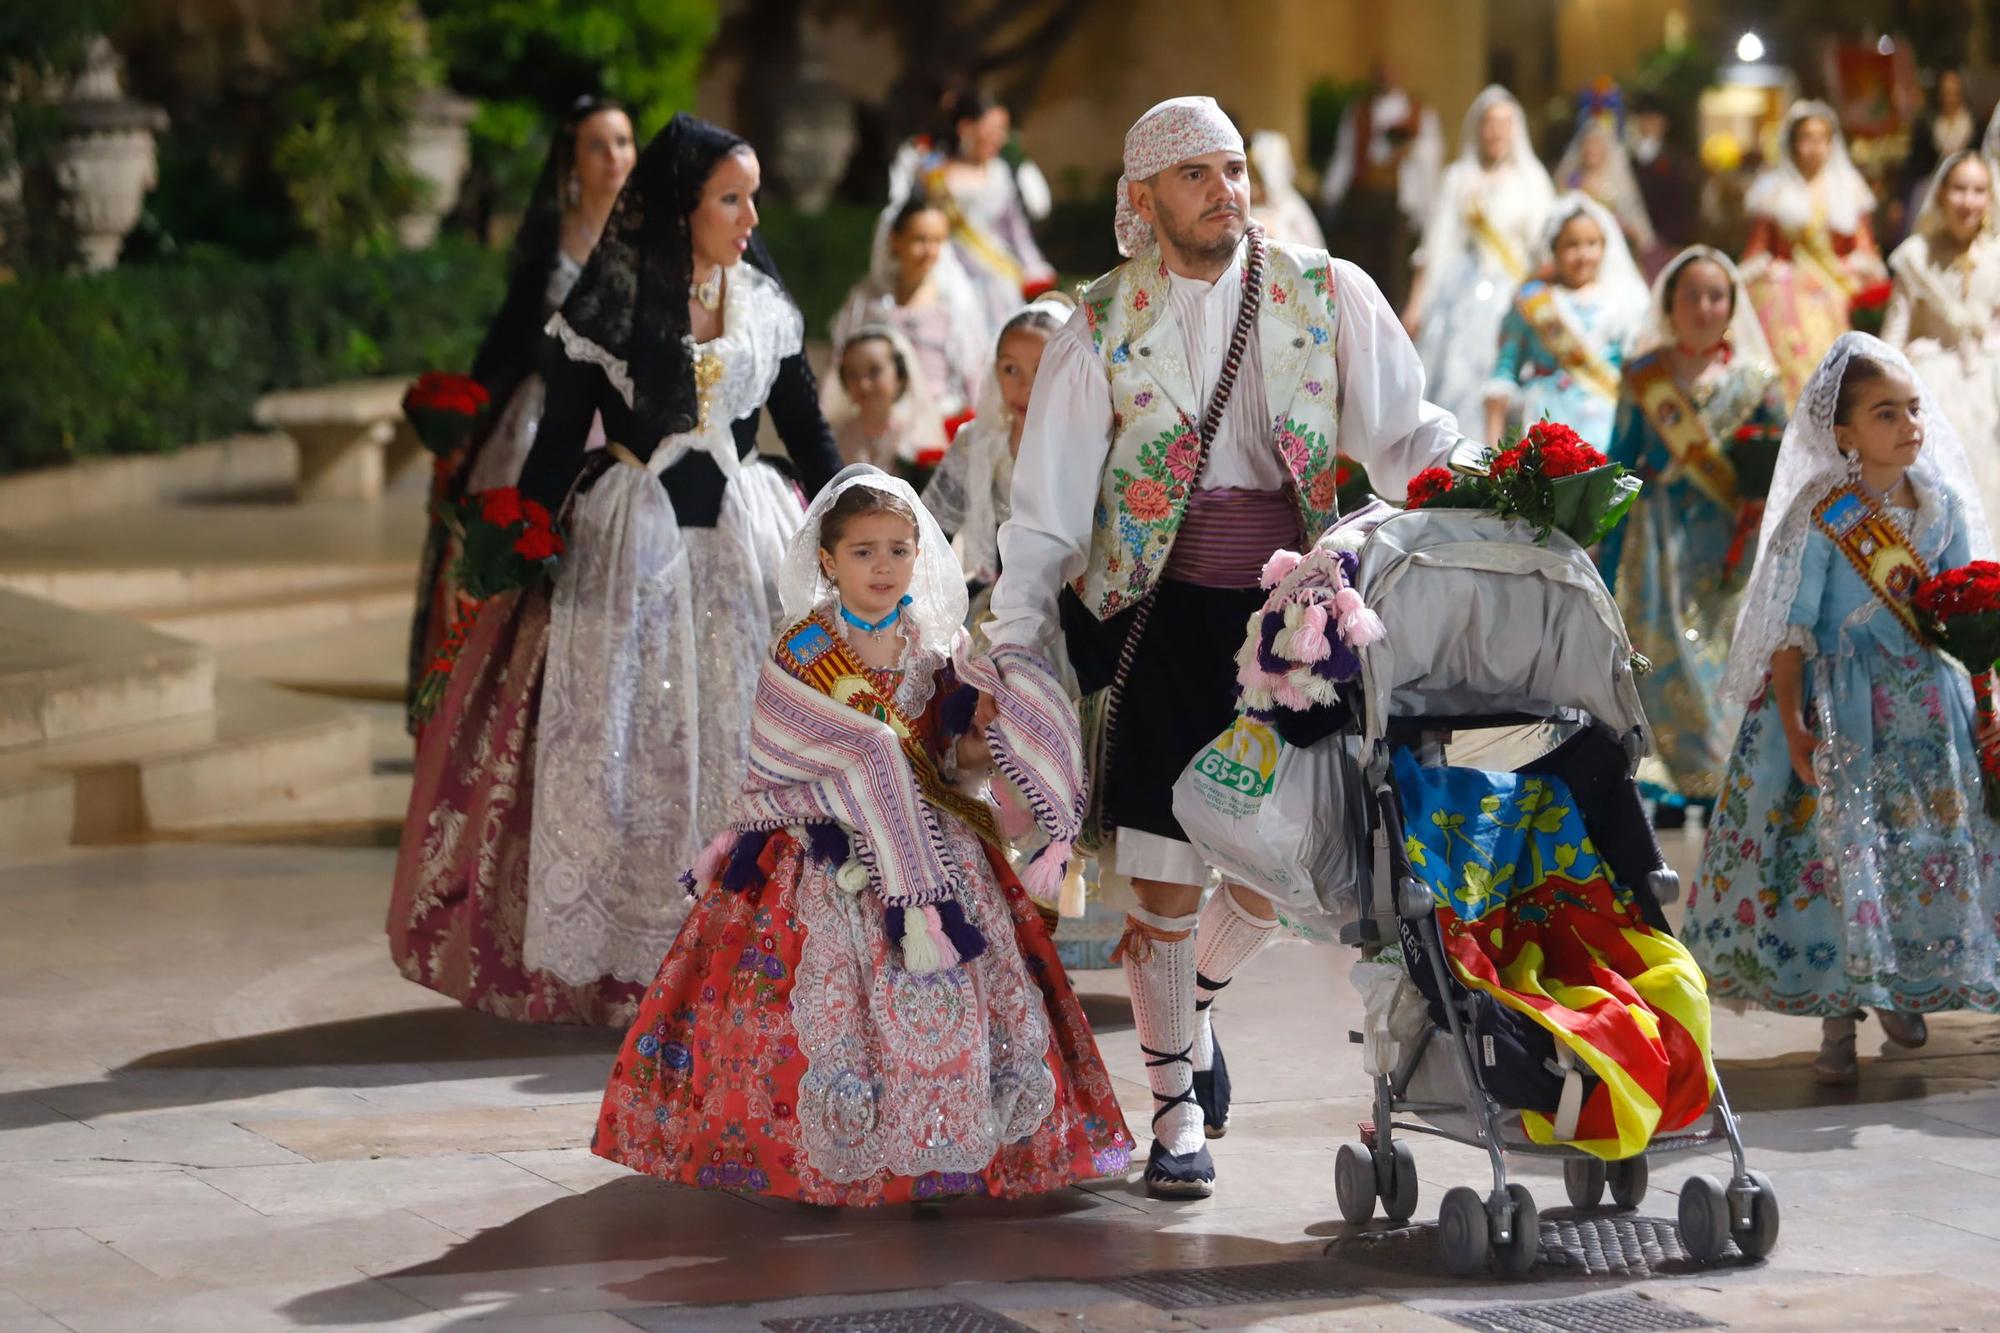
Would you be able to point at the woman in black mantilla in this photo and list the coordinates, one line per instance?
(589, 158)
(605, 721)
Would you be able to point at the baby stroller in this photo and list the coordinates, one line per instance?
(1533, 659)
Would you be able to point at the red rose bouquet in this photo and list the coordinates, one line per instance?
(1960, 612)
(1549, 478)
(446, 410)
(1870, 307)
(504, 542)
(1351, 485)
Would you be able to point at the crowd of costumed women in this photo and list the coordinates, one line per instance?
(654, 755)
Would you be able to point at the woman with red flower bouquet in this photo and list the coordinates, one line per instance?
(1699, 414)
(1852, 863)
(588, 161)
(590, 731)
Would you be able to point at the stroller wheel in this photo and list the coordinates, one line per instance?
(1464, 1235)
(1583, 1181)
(1518, 1255)
(1354, 1182)
(1399, 1204)
(1762, 1236)
(1628, 1181)
(1704, 1219)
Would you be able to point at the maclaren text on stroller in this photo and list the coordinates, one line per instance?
(1525, 994)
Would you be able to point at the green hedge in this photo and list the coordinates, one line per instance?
(147, 358)
(142, 360)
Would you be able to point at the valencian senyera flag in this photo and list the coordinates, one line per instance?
(1530, 915)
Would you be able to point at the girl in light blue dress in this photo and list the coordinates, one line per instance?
(1700, 380)
(1564, 339)
(1851, 863)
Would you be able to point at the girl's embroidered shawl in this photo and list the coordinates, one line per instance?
(828, 745)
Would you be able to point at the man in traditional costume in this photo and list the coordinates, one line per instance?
(1382, 179)
(1183, 427)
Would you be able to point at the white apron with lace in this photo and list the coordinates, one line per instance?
(656, 634)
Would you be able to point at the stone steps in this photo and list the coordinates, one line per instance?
(258, 748)
(67, 673)
(232, 622)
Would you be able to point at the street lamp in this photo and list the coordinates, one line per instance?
(1749, 48)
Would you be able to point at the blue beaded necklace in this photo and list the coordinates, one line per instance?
(874, 627)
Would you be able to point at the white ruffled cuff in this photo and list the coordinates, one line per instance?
(1800, 637)
(1497, 390)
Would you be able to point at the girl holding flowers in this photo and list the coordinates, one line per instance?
(1851, 863)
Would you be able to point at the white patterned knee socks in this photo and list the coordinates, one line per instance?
(1158, 954)
(1229, 937)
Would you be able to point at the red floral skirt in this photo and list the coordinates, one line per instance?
(460, 901)
(782, 1051)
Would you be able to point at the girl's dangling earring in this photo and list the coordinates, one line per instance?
(573, 192)
(1853, 466)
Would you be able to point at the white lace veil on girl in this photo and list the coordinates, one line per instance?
(1617, 275)
(1782, 193)
(936, 612)
(961, 492)
(1444, 234)
(919, 420)
(1626, 202)
(1810, 464)
(1930, 216)
(1746, 332)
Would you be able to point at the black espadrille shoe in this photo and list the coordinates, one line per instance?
(1170, 1175)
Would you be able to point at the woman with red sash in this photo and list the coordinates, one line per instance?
(1811, 248)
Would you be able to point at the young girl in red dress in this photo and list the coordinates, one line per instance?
(864, 1006)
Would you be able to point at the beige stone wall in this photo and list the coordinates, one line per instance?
(1258, 59)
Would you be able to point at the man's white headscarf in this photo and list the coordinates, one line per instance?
(1174, 131)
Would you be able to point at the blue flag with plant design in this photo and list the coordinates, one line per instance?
(1477, 839)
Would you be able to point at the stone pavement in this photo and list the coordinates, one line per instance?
(221, 1109)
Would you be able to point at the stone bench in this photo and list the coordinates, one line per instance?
(351, 436)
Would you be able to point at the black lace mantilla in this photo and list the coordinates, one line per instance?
(632, 298)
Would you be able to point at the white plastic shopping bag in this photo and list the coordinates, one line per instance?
(1281, 818)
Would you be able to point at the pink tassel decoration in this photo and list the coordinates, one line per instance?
(1309, 639)
(709, 864)
(1359, 626)
(1290, 696)
(1280, 564)
(1042, 877)
(947, 955)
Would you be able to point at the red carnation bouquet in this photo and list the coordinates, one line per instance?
(446, 410)
(504, 542)
(1351, 485)
(1870, 307)
(1549, 478)
(1960, 612)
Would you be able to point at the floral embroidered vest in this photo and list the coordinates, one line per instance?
(1155, 413)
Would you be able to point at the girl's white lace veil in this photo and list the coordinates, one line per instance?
(937, 586)
(1618, 275)
(1746, 332)
(1810, 465)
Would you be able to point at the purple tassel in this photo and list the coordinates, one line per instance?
(1338, 665)
(964, 936)
(956, 709)
(1350, 565)
(741, 873)
(827, 842)
(1267, 657)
